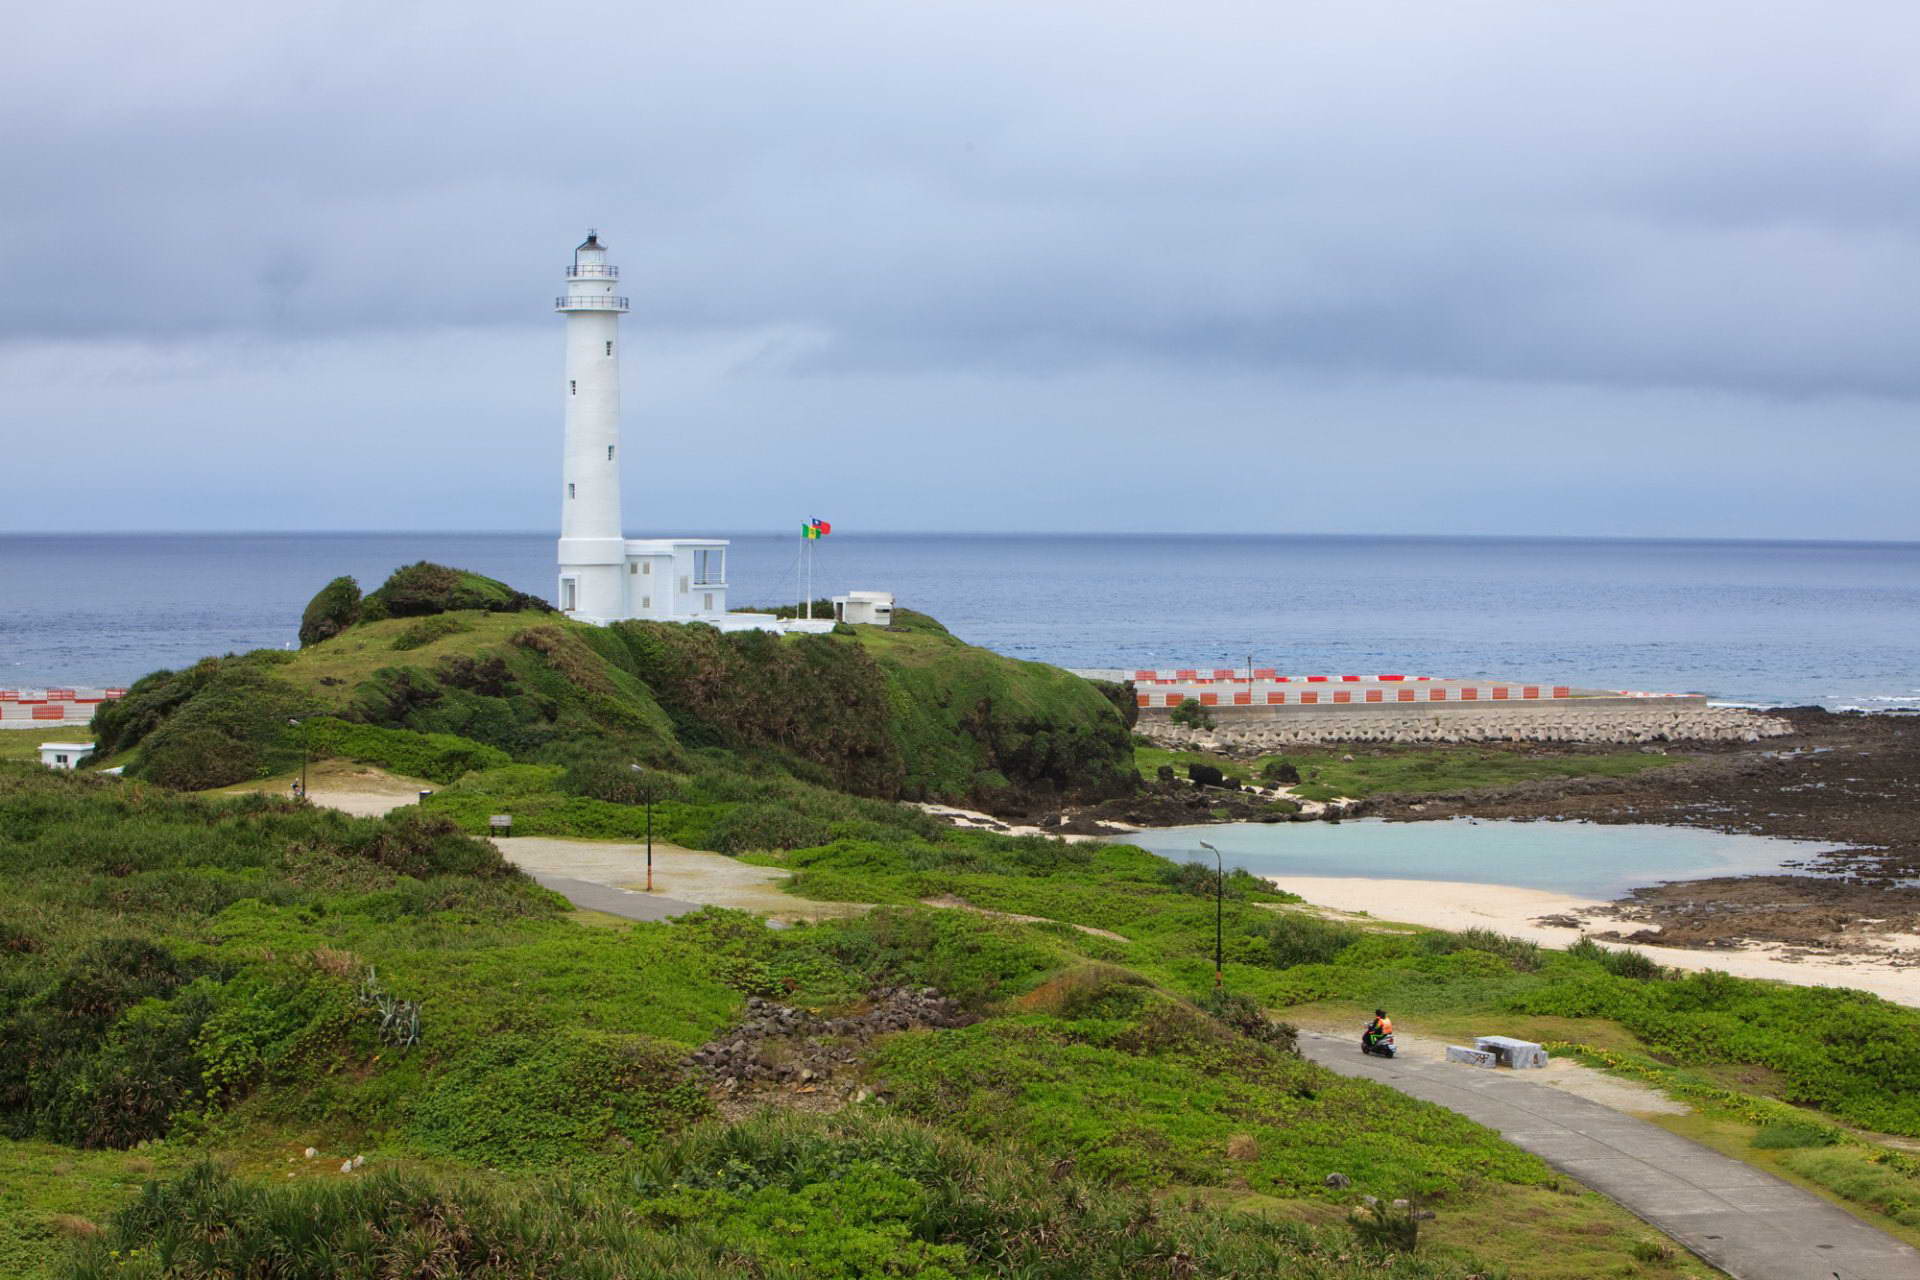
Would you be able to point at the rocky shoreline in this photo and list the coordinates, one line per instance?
(1651, 722)
(1847, 780)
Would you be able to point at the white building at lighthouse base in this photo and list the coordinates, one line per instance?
(682, 580)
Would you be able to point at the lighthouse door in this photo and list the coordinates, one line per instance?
(567, 604)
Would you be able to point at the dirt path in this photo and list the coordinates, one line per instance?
(686, 875)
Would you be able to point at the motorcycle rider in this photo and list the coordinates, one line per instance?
(1381, 1028)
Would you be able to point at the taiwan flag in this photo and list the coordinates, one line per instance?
(815, 529)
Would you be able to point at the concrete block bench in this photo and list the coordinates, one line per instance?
(1522, 1055)
(1472, 1057)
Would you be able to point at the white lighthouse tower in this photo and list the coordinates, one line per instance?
(606, 577)
(593, 549)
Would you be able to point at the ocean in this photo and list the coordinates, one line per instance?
(1769, 623)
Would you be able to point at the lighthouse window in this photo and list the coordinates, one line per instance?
(570, 491)
(609, 453)
(609, 348)
(573, 388)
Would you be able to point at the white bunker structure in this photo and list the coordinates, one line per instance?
(64, 755)
(605, 576)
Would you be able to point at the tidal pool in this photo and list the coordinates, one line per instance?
(1589, 860)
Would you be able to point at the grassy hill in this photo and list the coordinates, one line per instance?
(483, 677)
(198, 991)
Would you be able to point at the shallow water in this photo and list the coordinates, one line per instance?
(1586, 859)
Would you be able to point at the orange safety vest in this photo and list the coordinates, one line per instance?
(1383, 1026)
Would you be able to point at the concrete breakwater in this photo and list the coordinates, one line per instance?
(1610, 723)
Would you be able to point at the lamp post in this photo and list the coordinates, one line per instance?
(1219, 899)
(646, 794)
(306, 750)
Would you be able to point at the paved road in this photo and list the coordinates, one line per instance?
(631, 903)
(1748, 1223)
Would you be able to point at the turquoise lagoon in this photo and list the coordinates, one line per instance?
(1590, 860)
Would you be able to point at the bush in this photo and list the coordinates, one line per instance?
(1201, 880)
(1191, 713)
(1296, 938)
(758, 828)
(1122, 695)
(333, 609)
(437, 757)
(424, 632)
(1244, 1014)
(528, 1098)
(1280, 771)
(1521, 955)
(425, 588)
(1783, 1134)
(618, 783)
(1620, 963)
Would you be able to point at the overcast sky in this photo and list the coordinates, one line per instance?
(1620, 268)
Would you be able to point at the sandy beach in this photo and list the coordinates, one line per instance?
(1447, 904)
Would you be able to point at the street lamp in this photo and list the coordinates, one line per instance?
(306, 750)
(1219, 898)
(646, 793)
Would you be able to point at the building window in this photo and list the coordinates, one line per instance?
(609, 453)
(709, 604)
(646, 602)
(570, 489)
(646, 566)
(566, 595)
(683, 584)
(632, 568)
(710, 566)
(609, 347)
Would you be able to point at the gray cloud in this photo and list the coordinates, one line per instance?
(1177, 204)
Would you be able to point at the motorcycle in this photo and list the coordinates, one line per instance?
(1380, 1046)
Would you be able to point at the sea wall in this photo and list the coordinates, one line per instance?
(1615, 723)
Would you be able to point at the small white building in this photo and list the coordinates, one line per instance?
(64, 755)
(604, 575)
(873, 608)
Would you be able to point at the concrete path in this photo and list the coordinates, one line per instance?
(1747, 1222)
(615, 901)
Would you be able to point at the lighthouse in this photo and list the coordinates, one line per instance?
(593, 548)
(606, 577)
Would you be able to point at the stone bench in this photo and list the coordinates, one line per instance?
(1472, 1057)
(1521, 1055)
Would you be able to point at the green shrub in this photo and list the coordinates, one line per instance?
(423, 588)
(968, 957)
(1201, 880)
(1860, 1177)
(1192, 713)
(537, 1097)
(438, 757)
(845, 1197)
(424, 632)
(1296, 938)
(1787, 1133)
(752, 828)
(333, 609)
(1244, 1014)
(1520, 954)
(618, 783)
(1621, 963)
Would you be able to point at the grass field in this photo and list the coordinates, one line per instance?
(24, 744)
(1326, 774)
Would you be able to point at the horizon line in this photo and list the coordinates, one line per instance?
(987, 533)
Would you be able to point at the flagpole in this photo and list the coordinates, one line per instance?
(809, 604)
